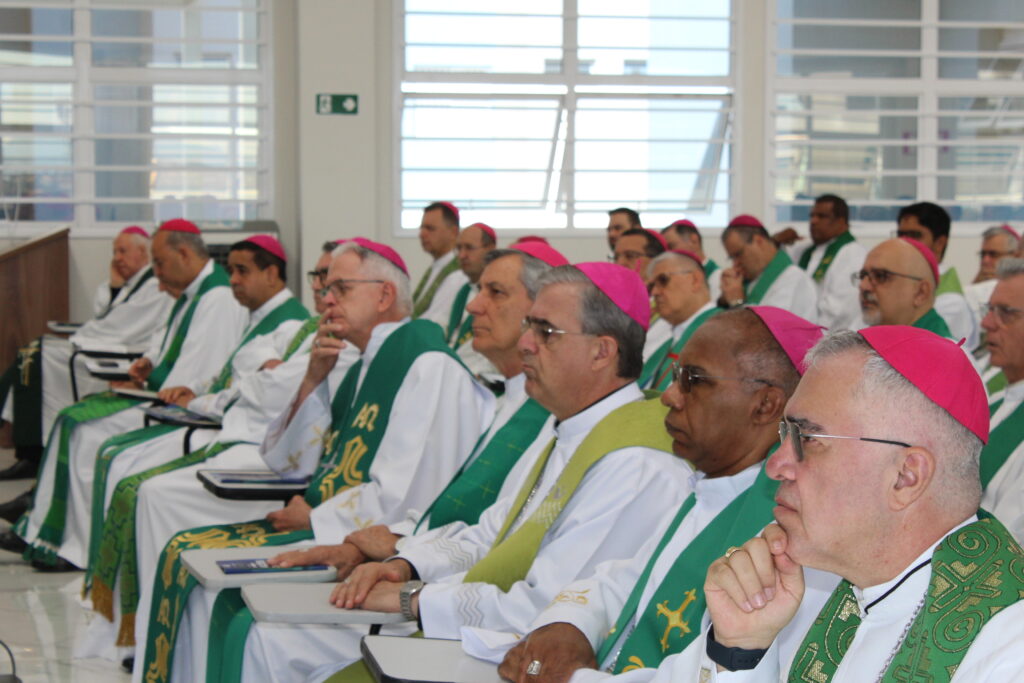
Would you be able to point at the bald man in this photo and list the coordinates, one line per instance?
(471, 248)
(897, 287)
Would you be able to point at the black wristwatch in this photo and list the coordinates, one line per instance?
(732, 658)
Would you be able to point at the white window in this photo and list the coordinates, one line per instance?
(888, 103)
(544, 114)
(133, 111)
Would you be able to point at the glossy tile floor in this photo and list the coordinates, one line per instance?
(40, 616)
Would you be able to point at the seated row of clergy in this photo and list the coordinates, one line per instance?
(695, 264)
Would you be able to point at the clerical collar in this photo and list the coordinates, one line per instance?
(868, 598)
(193, 286)
(270, 304)
(677, 330)
(723, 489)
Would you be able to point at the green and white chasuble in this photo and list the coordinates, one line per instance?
(424, 293)
(460, 323)
(949, 283)
(976, 571)
(657, 371)
(636, 424)
(933, 322)
(709, 267)
(358, 423)
(827, 258)
(44, 548)
(111, 541)
(672, 616)
(756, 289)
(1002, 442)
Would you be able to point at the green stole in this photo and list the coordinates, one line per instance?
(995, 382)
(456, 324)
(933, 322)
(976, 572)
(709, 267)
(949, 283)
(756, 289)
(135, 288)
(111, 533)
(349, 449)
(636, 424)
(217, 278)
(476, 485)
(827, 258)
(655, 374)
(422, 297)
(653, 639)
(1002, 441)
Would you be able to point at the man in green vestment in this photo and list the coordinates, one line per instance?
(473, 245)
(634, 613)
(930, 224)
(897, 286)
(880, 566)
(636, 247)
(683, 234)
(432, 298)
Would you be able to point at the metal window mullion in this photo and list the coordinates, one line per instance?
(928, 101)
(83, 149)
(571, 72)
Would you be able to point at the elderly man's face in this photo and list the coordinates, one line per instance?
(498, 310)
(890, 302)
(553, 366)
(470, 251)
(130, 255)
(169, 263)
(631, 252)
(706, 423)
(674, 289)
(993, 250)
(1004, 324)
(834, 499)
(358, 305)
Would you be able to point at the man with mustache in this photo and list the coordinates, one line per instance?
(897, 286)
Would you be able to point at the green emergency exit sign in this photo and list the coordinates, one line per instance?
(337, 104)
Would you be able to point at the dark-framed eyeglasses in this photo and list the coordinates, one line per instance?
(912, 234)
(316, 277)
(662, 279)
(687, 377)
(1003, 313)
(878, 276)
(628, 256)
(789, 429)
(340, 288)
(993, 253)
(544, 331)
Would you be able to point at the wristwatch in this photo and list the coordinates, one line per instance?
(732, 658)
(409, 589)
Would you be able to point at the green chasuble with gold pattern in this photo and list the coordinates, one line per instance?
(976, 572)
(359, 420)
(827, 258)
(671, 619)
(424, 294)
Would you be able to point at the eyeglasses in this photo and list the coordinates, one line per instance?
(627, 256)
(544, 330)
(316, 277)
(878, 276)
(662, 279)
(912, 234)
(687, 378)
(993, 254)
(1003, 313)
(790, 429)
(340, 288)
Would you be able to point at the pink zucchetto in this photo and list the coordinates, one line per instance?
(382, 250)
(454, 209)
(928, 254)
(179, 225)
(688, 254)
(542, 251)
(486, 229)
(530, 238)
(745, 220)
(685, 222)
(938, 368)
(268, 243)
(795, 335)
(657, 235)
(623, 286)
(1007, 228)
(135, 230)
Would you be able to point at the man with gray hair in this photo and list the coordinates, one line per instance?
(878, 566)
(399, 425)
(997, 243)
(1002, 461)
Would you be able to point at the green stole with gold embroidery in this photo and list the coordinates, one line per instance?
(423, 297)
(827, 258)
(656, 373)
(756, 289)
(976, 572)
(661, 629)
(358, 423)
(636, 424)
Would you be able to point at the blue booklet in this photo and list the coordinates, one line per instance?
(260, 566)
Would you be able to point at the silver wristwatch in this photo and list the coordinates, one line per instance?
(409, 589)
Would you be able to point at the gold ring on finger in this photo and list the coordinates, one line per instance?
(731, 550)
